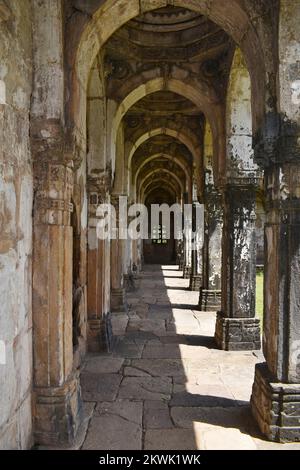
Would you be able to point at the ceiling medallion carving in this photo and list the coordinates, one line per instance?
(117, 69)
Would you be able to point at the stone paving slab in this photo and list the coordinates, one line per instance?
(171, 439)
(99, 388)
(146, 388)
(160, 367)
(103, 365)
(229, 417)
(157, 415)
(111, 432)
(131, 411)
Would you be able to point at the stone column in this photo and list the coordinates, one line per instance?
(99, 321)
(236, 327)
(275, 398)
(210, 291)
(56, 385)
(196, 257)
(187, 260)
(118, 292)
(179, 254)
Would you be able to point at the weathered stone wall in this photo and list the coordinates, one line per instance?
(15, 225)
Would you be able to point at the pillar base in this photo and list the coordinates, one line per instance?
(209, 300)
(187, 271)
(129, 282)
(237, 334)
(195, 282)
(276, 406)
(100, 337)
(57, 414)
(118, 300)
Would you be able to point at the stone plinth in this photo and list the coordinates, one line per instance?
(276, 406)
(237, 334)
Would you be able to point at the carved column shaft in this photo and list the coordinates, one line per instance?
(196, 256)
(56, 387)
(275, 398)
(210, 292)
(99, 327)
(237, 328)
(118, 296)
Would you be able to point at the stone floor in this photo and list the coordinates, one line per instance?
(165, 385)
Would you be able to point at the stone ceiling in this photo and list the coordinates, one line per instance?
(166, 42)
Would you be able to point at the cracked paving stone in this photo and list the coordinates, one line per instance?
(157, 415)
(160, 367)
(146, 388)
(97, 387)
(128, 349)
(115, 427)
(129, 410)
(134, 372)
(103, 365)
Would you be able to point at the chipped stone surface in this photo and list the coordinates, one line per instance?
(16, 194)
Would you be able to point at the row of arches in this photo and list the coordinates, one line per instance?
(81, 139)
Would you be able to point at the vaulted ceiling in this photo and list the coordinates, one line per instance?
(156, 44)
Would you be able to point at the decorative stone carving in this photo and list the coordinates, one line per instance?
(275, 406)
(116, 69)
(210, 291)
(237, 327)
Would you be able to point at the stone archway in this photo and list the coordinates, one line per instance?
(60, 146)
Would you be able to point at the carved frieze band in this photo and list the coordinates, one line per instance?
(53, 193)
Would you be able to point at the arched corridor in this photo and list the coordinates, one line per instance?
(166, 386)
(120, 328)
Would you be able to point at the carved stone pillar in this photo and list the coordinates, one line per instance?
(118, 291)
(99, 321)
(179, 254)
(275, 398)
(210, 292)
(236, 327)
(56, 387)
(196, 257)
